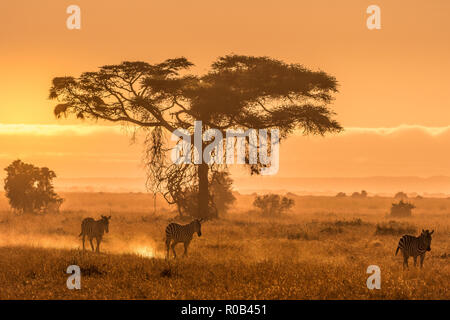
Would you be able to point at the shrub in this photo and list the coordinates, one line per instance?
(332, 230)
(343, 223)
(273, 204)
(401, 195)
(363, 194)
(401, 209)
(395, 228)
(302, 235)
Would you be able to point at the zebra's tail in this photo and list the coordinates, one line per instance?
(81, 233)
(398, 248)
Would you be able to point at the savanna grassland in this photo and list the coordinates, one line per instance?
(320, 250)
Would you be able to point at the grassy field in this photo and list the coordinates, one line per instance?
(320, 250)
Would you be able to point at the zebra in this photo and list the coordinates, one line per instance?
(179, 233)
(415, 246)
(94, 229)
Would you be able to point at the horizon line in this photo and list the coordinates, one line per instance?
(85, 128)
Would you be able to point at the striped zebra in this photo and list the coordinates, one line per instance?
(415, 246)
(94, 229)
(176, 233)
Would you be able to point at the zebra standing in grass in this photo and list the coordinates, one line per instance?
(415, 246)
(94, 229)
(178, 233)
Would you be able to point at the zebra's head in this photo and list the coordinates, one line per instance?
(105, 221)
(198, 226)
(426, 238)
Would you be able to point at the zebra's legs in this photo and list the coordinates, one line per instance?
(98, 245)
(186, 245)
(168, 240)
(415, 261)
(422, 257)
(405, 261)
(83, 242)
(92, 245)
(173, 249)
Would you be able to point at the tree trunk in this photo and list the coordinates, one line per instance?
(203, 191)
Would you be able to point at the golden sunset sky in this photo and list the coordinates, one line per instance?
(394, 98)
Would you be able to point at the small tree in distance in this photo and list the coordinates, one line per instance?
(401, 195)
(402, 209)
(29, 189)
(273, 204)
(363, 194)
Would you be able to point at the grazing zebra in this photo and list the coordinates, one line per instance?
(94, 229)
(415, 246)
(179, 233)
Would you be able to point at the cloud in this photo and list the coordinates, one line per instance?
(432, 131)
(56, 130)
(89, 129)
(94, 150)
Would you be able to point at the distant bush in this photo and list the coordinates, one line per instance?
(343, 223)
(341, 195)
(401, 195)
(402, 209)
(395, 228)
(273, 204)
(363, 194)
(302, 235)
(332, 230)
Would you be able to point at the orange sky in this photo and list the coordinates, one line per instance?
(396, 77)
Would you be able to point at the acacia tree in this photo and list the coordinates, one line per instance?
(243, 92)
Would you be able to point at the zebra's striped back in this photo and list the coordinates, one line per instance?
(415, 246)
(183, 233)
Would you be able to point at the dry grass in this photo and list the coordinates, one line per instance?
(319, 251)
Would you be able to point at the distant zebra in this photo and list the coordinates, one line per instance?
(94, 229)
(178, 233)
(415, 246)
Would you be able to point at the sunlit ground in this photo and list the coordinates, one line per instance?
(319, 250)
(147, 252)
